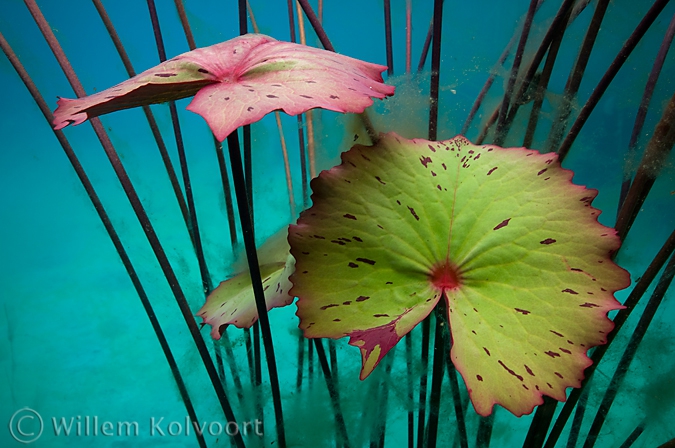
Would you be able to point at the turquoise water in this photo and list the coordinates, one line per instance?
(76, 342)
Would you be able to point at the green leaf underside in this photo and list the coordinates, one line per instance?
(232, 302)
(515, 247)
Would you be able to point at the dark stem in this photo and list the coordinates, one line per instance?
(377, 437)
(387, 37)
(484, 433)
(316, 24)
(435, 70)
(639, 429)
(574, 80)
(501, 121)
(425, 48)
(613, 69)
(540, 423)
(644, 105)
(256, 280)
(437, 371)
(629, 353)
(227, 192)
(578, 419)
(424, 355)
(557, 28)
(546, 76)
(301, 362)
(457, 401)
(655, 156)
(409, 382)
(333, 392)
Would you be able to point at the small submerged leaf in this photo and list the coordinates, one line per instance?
(502, 234)
(233, 302)
(239, 81)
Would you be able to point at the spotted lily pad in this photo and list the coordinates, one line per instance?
(503, 235)
(233, 302)
(239, 81)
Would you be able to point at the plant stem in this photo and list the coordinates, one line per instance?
(644, 104)
(387, 37)
(333, 392)
(435, 70)
(256, 280)
(457, 400)
(501, 121)
(424, 354)
(437, 371)
(613, 69)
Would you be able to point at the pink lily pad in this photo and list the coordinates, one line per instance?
(239, 81)
(502, 235)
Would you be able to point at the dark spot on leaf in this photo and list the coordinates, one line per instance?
(380, 180)
(444, 167)
(356, 238)
(348, 302)
(366, 260)
(348, 216)
(474, 332)
(553, 354)
(319, 237)
(526, 388)
(306, 96)
(362, 298)
(576, 270)
(250, 108)
(492, 170)
(425, 161)
(524, 312)
(334, 97)
(328, 306)
(510, 371)
(271, 96)
(353, 265)
(479, 378)
(365, 157)
(227, 98)
(528, 370)
(389, 283)
(439, 188)
(433, 174)
(558, 375)
(336, 320)
(164, 75)
(556, 333)
(564, 350)
(502, 224)
(569, 291)
(305, 253)
(487, 351)
(380, 315)
(398, 202)
(589, 305)
(310, 82)
(341, 243)
(547, 241)
(412, 211)
(542, 172)
(432, 148)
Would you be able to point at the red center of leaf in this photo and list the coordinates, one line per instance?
(445, 276)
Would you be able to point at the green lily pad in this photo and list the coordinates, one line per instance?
(503, 234)
(233, 302)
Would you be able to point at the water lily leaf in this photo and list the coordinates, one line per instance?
(503, 235)
(233, 302)
(238, 81)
